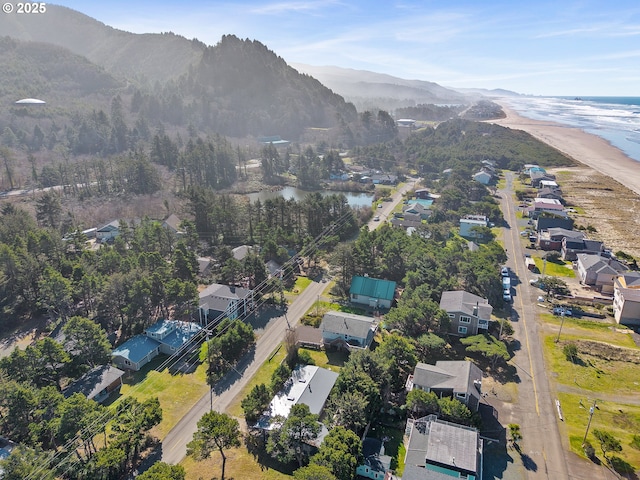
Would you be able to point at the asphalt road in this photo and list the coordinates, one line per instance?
(547, 453)
(174, 446)
(386, 211)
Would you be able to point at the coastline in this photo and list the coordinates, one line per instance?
(585, 148)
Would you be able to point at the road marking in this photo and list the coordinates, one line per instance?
(524, 317)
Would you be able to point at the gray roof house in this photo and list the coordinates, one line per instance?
(571, 247)
(459, 379)
(219, 301)
(97, 384)
(172, 223)
(347, 330)
(108, 231)
(469, 314)
(376, 464)
(308, 384)
(441, 450)
(626, 298)
(598, 272)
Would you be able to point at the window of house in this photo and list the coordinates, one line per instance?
(452, 315)
(354, 295)
(462, 330)
(465, 319)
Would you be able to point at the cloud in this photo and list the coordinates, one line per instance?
(297, 7)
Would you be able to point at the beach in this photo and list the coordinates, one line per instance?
(605, 185)
(585, 148)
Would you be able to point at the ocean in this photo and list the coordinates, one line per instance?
(616, 119)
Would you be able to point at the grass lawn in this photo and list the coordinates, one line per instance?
(618, 419)
(299, 286)
(177, 392)
(553, 269)
(263, 375)
(240, 465)
(332, 360)
(590, 330)
(590, 372)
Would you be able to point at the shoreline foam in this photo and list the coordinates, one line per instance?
(585, 148)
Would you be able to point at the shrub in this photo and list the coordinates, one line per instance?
(621, 466)
(570, 351)
(635, 442)
(589, 451)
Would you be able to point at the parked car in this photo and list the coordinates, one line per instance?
(376, 218)
(506, 296)
(564, 311)
(504, 271)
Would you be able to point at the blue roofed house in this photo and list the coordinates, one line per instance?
(347, 330)
(164, 336)
(372, 292)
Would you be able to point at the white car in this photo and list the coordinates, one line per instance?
(376, 218)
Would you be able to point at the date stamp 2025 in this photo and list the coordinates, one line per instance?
(24, 7)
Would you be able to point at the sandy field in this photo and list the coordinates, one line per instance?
(606, 186)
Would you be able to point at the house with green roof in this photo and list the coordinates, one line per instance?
(372, 292)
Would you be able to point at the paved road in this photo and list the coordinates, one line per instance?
(386, 211)
(174, 446)
(548, 451)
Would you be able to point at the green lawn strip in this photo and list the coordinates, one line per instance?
(177, 393)
(263, 375)
(299, 286)
(590, 330)
(332, 360)
(621, 420)
(555, 269)
(594, 373)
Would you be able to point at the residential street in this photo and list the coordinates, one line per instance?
(174, 446)
(546, 451)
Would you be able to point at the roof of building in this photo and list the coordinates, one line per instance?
(374, 456)
(465, 302)
(203, 264)
(308, 384)
(136, 348)
(223, 291)
(373, 287)
(563, 232)
(413, 472)
(548, 203)
(174, 333)
(629, 280)
(94, 381)
(443, 443)
(240, 252)
(110, 227)
(173, 221)
(600, 264)
(457, 375)
(344, 323)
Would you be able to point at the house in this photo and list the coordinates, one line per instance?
(274, 140)
(376, 464)
(219, 301)
(551, 239)
(6, 447)
(135, 352)
(406, 122)
(551, 184)
(538, 176)
(469, 314)
(458, 379)
(384, 179)
(423, 193)
(347, 330)
(598, 272)
(308, 384)
(109, 231)
(164, 336)
(416, 211)
(484, 177)
(546, 222)
(172, 334)
(572, 247)
(172, 223)
(97, 384)
(442, 450)
(546, 205)
(204, 266)
(471, 222)
(405, 223)
(552, 193)
(372, 292)
(626, 298)
(240, 252)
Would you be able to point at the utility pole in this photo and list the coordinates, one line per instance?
(561, 324)
(591, 410)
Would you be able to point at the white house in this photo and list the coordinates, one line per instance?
(347, 330)
(108, 231)
(218, 301)
(626, 298)
(468, 223)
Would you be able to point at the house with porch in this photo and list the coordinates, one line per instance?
(469, 223)
(372, 292)
(459, 379)
(468, 314)
(626, 298)
(219, 301)
(347, 331)
(551, 239)
(441, 450)
(598, 272)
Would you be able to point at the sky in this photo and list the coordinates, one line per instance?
(559, 47)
